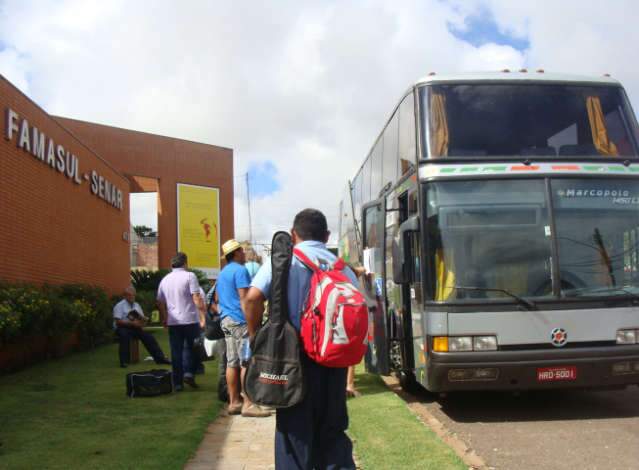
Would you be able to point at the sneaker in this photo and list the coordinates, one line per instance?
(254, 411)
(190, 381)
(235, 409)
(178, 388)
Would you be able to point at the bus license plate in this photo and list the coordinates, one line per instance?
(552, 374)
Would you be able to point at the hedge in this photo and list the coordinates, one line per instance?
(51, 311)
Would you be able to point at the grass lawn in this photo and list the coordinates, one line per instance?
(74, 413)
(388, 436)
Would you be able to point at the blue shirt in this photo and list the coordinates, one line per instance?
(234, 276)
(252, 267)
(299, 277)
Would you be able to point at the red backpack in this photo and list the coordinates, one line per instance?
(334, 323)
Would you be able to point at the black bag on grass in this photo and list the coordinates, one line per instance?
(274, 376)
(149, 383)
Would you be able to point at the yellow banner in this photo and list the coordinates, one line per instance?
(199, 227)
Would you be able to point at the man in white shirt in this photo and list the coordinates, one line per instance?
(182, 311)
(128, 321)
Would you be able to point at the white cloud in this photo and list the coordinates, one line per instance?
(305, 85)
(14, 68)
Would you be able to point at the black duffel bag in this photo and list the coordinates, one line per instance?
(213, 326)
(274, 375)
(149, 383)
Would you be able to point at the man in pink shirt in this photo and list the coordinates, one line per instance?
(182, 310)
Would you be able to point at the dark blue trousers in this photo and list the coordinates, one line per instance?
(181, 339)
(148, 340)
(311, 435)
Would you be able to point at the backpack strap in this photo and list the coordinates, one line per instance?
(305, 260)
(208, 307)
(338, 265)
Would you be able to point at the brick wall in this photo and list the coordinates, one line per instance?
(169, 161)
(53, 230)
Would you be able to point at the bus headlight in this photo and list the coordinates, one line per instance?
(464, 343)
(484, 343)
(460, 343)
(626, 336)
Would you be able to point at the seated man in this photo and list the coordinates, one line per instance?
(128, 321)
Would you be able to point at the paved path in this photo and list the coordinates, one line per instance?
(236, 443)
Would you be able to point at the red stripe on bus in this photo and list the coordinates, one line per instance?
(524, 168)
(566, 167)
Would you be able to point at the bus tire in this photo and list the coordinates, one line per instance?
(407, 381)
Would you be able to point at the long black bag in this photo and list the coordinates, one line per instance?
(148, 383)
(274, 375)
(213, 326)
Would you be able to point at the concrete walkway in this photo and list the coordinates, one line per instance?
(236, 443)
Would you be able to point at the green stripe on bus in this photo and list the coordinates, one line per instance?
(495, 168)
(593, 167)
(468, 169)
(447, 170)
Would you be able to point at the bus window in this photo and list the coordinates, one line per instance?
(373, 248)
(412, 203)
(499, 120)
(376, 168)
(357, 194)
(366, 180)
(389, 169)
(488, 235)
(407, 141)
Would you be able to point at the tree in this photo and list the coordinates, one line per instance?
(144, 231)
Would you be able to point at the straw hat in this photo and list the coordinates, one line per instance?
(230, 246)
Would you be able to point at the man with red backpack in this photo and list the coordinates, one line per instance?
(310, 434)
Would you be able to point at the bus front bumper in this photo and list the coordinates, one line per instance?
(588, 367)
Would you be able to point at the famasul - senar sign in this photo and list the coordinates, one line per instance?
(35, 142)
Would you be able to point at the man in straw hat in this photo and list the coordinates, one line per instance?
(232, 285)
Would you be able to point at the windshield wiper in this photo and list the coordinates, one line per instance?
(528, 304)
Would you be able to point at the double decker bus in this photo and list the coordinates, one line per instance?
(497, 217)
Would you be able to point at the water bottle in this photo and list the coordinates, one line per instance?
(245, 350)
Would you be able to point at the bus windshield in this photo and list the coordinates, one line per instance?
(498, 235)
(515, 120)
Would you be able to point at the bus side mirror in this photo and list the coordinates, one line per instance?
(401, 261)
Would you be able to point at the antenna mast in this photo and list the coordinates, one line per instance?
(248, 198)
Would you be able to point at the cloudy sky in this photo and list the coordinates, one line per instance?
(298, 89)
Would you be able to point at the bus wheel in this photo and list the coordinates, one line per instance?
(407, 381)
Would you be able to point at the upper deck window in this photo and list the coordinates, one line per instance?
(515, 120)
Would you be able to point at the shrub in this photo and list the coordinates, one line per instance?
(146, 299)
(10, 322)
(95, 328)
(27, 311)
(53, 311)
(146, 280)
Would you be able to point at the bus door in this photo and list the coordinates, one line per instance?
(404, 274)
(397, 293)
(373, 221)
